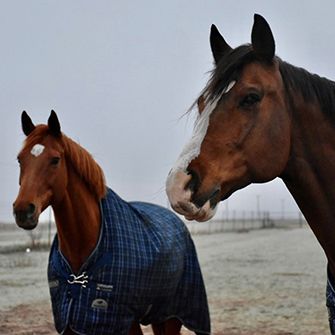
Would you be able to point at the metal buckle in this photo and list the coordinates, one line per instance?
(81, 279)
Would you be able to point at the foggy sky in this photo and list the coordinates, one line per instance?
(121, 74)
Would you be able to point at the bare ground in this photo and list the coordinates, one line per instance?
(263, 282)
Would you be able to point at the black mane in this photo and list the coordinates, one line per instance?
(313, 88)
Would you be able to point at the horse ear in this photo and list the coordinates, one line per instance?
(218, 45)
(26, 123)
(262, 39)
(54, 125)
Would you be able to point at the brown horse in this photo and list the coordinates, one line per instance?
(56, 171)
(261, 118)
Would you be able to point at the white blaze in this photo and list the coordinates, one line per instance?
(179, 197)
(229, 87)
(192, 148)
(37, 149)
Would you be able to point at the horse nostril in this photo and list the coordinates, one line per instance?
(25, 213)
(194, 183)
(31, 210)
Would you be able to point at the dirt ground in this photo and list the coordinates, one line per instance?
(260, 282)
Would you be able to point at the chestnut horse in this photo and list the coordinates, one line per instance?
(144, 249)
(260, 118)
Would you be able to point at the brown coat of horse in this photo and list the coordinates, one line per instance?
(57, 172)
(260, 118)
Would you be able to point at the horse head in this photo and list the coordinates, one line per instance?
(42, 170)
(242, 131)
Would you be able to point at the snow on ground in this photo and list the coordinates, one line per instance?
(269, 281)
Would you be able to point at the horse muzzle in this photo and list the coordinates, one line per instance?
(26, 216)
(180, 191)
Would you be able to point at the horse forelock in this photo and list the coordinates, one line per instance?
(80, 159)
(227, 71)
(35, 137)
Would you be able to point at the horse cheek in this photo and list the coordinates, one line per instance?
(59, 185)
(278, 144)
(269, 148)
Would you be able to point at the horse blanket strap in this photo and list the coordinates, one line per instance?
(144, 268)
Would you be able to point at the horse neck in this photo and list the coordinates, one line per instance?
(78, 220)
(310, 174)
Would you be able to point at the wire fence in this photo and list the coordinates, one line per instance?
(241, 221)
(13, 238)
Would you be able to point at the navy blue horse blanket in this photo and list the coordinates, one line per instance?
(143, 268)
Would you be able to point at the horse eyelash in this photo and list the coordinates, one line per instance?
(255, 98)
(55, 160)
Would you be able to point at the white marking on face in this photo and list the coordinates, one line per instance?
(179, 196)
(37, 149)
(192, 148)
(229, 87)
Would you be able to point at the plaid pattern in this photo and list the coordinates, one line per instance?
(144, 268)
(330, 300)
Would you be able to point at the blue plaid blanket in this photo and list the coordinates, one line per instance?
(143, 268)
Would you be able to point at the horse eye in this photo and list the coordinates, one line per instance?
(55, 160)
(250, 100)
(18, 160)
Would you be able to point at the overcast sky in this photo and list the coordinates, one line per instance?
(120, 74)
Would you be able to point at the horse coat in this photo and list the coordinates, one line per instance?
(144, 268)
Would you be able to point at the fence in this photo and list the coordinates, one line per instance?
(244, 221)
(13, 238)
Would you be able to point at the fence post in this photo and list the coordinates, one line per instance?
(233, 219)
(300, 220)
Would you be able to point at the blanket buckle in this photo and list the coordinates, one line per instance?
(80, 279)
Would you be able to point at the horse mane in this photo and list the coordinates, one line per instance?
(85, 165)
(79, 158)
(312, 87)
